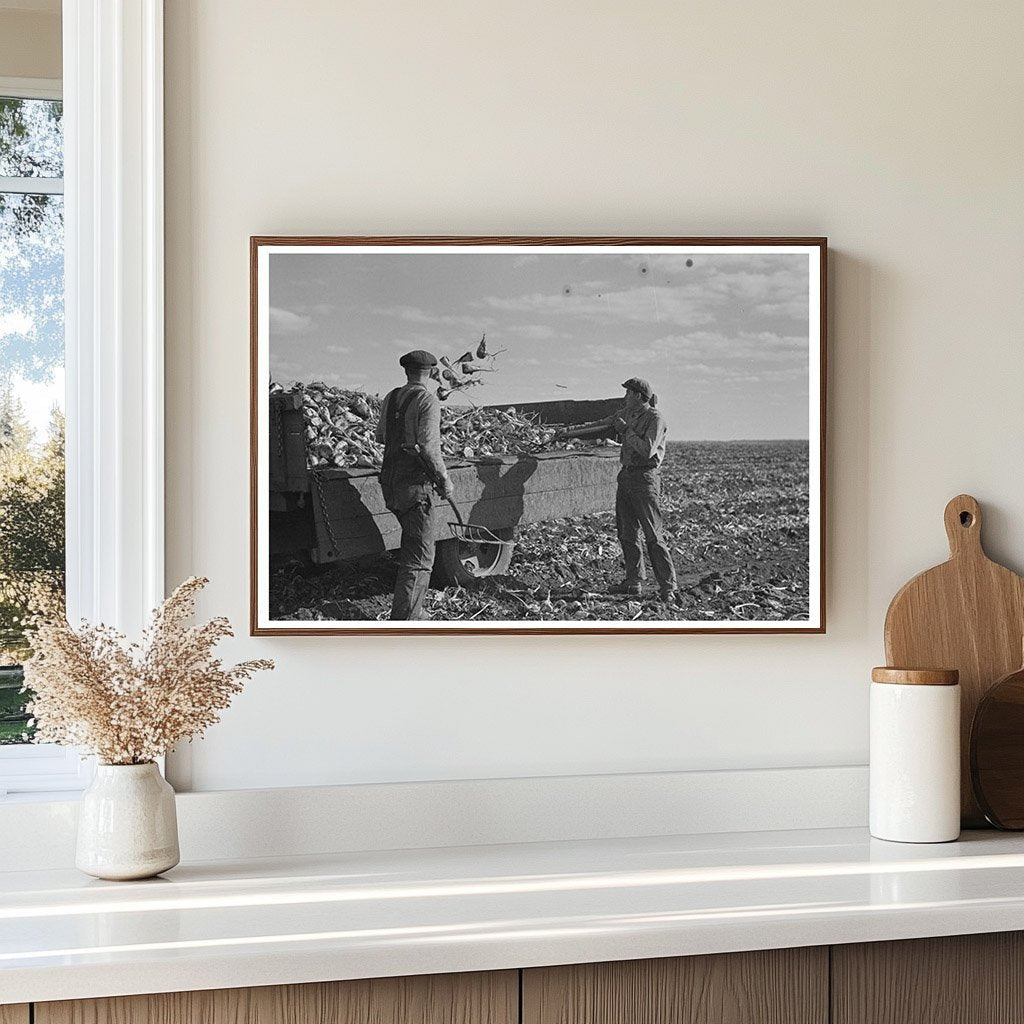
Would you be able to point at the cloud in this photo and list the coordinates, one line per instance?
(340, 380)
(659, 292)
(739, 374)
(760, 348)
(414, 315)
(535, 332)
(750, 345)
(338, 350)
(421, 339)
(625, 355)
(728, 262)
(781, 292)
(284, 370)
(793, 309)
(284, 321)
(644, 304)
(715, 372)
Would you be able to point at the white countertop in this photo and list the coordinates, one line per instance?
(224, 924)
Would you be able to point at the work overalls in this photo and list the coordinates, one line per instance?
(638, 514)
(408, 493)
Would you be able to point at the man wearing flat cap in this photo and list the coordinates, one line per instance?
(413, 474)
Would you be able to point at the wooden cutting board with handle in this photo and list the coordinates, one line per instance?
(967, 614)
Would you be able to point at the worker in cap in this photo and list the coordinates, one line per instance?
(641, 387)
(642, 430)
(418, 359)
(412, 477)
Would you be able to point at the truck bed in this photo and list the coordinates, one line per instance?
(338, 514)
(503, 492)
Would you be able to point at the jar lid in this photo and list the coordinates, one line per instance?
(916, 676)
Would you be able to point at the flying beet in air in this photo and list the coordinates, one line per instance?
(466, 357)
(449, 375)
(434, 375)
(481, 349)
(444, 361)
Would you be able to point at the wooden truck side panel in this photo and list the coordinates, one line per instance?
(351, 520)
(570, 412)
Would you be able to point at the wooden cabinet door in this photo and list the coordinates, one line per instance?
(14, 1014)
(960, 979)
(481, 998)
(776, 986)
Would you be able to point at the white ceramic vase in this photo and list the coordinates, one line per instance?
(127, 825)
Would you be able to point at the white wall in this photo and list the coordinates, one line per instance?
(894, 129)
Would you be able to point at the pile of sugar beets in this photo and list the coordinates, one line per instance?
(341, 426)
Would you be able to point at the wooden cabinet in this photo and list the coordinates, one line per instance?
(777, 986)
(962, 979)
(481, 998)
(967, 979)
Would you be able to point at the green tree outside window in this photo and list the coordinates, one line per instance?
(32, 544)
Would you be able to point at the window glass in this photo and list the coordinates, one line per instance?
(31, 388)
(31, 138)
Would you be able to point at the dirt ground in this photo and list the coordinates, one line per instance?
(736, 521)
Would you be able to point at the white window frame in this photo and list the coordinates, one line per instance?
(114, 325)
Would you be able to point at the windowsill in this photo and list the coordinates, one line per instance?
(40, 798)
(32, 772)
(236, 923)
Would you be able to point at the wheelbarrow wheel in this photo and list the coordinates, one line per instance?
(463, 562)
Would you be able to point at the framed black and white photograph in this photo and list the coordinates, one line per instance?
(537, 435)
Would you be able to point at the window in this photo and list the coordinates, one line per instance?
(31, 383)
(32, 548)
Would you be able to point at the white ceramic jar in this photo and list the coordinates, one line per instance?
(127, 823)
(915, 755)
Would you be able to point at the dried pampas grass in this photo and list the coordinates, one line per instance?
(130, 703)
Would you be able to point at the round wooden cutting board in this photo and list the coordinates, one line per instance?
(997, 752)
(968, 614)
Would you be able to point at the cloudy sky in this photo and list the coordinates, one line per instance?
(724, 342)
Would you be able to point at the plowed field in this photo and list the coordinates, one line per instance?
(736, 521)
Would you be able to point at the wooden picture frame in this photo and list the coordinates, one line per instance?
(731, 332)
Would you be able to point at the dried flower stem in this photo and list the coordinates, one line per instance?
(129, 703)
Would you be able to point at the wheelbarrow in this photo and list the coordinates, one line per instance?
(478, 549)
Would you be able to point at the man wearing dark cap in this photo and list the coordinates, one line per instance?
(412, 474)
(642, 431)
